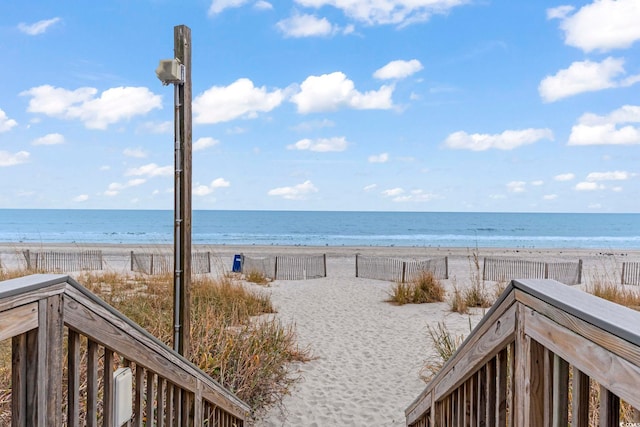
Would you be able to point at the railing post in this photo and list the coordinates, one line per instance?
(49, 361)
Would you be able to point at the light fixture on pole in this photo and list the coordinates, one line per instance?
(177, 72)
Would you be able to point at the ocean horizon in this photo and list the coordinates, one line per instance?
(326, 228)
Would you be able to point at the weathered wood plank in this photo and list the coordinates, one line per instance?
(621, 377)
(482, 350)
(560, 392)
(139, 397)
(54, 357)
(92, 384)
(580, 401)
(18, 320)
(609, 408)
(536, 375)
(151, 391)
(107, 384)
(73, 379)
(19, 381)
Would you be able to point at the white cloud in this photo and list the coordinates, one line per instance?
(313, 125)
(564, 177)
(297, 192)
(49, 139)
(398, 69)
(329, 92)
(507, 140)
(5, 122)
(602, 25)
(609, 176)
(585, 76)
(589, 186)
(156, 127)
(137, 153)
(263, 5)
(550, 196)
(393, 192)
(204, 143)
(415, 196)
(400, 12)
(321, 145)
(218, 6)
(81, 198)
(370, 187)
(559, 12)
(616, 189)
(204, 190)
(516, 186)
(306, 25)
(115, 187)
(151, 170)
(240, 99)
(37, 28)
(537, 183)
(9, 159)
(113, 105)
(593, 129)
(379, 158)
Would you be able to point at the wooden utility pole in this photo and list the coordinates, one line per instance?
(182, 188)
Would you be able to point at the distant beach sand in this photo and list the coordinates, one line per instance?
(368, 353)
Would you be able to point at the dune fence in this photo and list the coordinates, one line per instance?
(58, 261)
(630, 273)
(506, 269)
(162, 263)
(286, 267)
(398, 270)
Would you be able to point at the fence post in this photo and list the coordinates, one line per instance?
(324, 261)
(131, 260)
(356, 265)
(275, 269)
(446, 267)
(404, 270)
(151, 265)
(546, 270)
(579, 271)
(208, 262)
(27, 255)
(624, 265)
(484, 268)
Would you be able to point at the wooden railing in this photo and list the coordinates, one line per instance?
(541, 343)
(66, 344)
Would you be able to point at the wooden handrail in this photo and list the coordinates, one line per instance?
(527, 343)
(34, 310)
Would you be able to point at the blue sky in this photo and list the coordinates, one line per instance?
(388, 105)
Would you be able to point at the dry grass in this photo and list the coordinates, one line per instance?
(256, 277)
(426, 288)
(445, 344)
(616, 293)
(457, 301)
(233, 337)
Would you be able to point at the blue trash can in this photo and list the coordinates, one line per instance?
(237, 264)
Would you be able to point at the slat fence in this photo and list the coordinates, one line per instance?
(630, 273)
(398, 270)
(162, 263)
(57, 261)
(505, 269)
(287, 267)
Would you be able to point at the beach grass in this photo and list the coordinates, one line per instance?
(256, 277)
(615, 293)
(426, 288)
(235, 338)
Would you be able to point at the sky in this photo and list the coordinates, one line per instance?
(359, 105)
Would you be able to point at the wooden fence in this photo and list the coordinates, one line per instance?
(630, 273)
(539, 344)
(397, 270)
(52, 318)
(162, 263)
(505, 269)
(51, 262)
(287, 267)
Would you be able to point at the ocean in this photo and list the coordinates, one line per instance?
(418, 229)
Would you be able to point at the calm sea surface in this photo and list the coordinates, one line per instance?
(525, 230)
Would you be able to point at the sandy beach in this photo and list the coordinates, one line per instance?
(367, 353)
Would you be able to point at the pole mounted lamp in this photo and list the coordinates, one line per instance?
(177, 71)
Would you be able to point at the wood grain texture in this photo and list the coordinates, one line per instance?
(92, 383)
(620, 376)
(19, 381)
(73, 379)
(580, 400)
(18, 320)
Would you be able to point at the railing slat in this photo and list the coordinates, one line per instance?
(580, 401)
(151, 391)
(73, 381)
(107, 384)
(609, 408)
(560, 392)
(139, 397)
(92, 383)
(19, 380)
